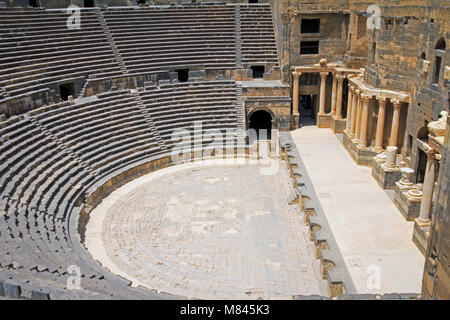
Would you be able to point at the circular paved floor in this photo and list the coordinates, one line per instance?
(218, 231)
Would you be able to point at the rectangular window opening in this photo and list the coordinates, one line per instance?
(309, 47)
(258, 71)
(34, 3)
(310, 26)
(66, 90)
(183, 75)
(89, 3)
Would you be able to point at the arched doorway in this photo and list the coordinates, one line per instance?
(261, 120)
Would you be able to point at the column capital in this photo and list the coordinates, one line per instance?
(352, 88)
(324, 74)
(365, 97)
(396, 103)
(431, 153)
(357, 92)
(296, 74)
(340, 77)
(382, 100)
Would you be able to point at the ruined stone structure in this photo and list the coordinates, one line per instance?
(377, 72)
(93, 99)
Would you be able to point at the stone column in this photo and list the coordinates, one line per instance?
(405, 182)
(358, 120)
(348, 116)
(323, 83)
(380, 124)
(428, 188)
(395, 122)
(391, 157)
(295, 93)
(364, 120)
(333, 96)
(356, 93)
(340, 81)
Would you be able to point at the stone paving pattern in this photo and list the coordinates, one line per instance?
(223, 232)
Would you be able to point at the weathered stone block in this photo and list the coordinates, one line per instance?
(10, 290)
(420, 235)
(408, 207)
(36, 295)
(337, 125)
(362, 157)
(323, 121)
(386, 178)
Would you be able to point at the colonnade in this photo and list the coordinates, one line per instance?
(357, 115)
(357, 118)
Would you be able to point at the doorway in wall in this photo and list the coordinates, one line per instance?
(34, 3)
(66, 90)
(261, 121)
(306, 105)
(89, 3)
(423, 158)
(258, 72)
(183, 75)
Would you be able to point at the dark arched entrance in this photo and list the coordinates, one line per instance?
(261, 120)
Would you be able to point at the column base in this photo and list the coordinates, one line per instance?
(362, 156)
(323, 120)
(421, 234)
(337, 125)
(385, 177)
(295, 120)
(377, 149)
(408, 207)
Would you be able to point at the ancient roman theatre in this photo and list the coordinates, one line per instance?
(224, 149)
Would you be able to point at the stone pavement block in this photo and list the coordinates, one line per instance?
(219, 237)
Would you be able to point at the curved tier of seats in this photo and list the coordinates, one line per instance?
(38, 49)
(54, 158)
(154, 39)
(213, 105)
(257, 35)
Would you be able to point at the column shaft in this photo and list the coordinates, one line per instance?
(333, 96)
(340, 81)
(428, 188)
(364, 121)
(395, 122)
(380, 124)
(323, 83)
(354, 111)
(295, 93)
(348, 116)
(358, 120)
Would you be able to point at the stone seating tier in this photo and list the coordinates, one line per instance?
(53, 157)
(38, 51)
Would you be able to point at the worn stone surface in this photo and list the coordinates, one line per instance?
(211, 232)
(367, 227)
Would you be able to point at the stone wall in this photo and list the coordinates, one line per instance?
(273, 99)
(436, 276)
